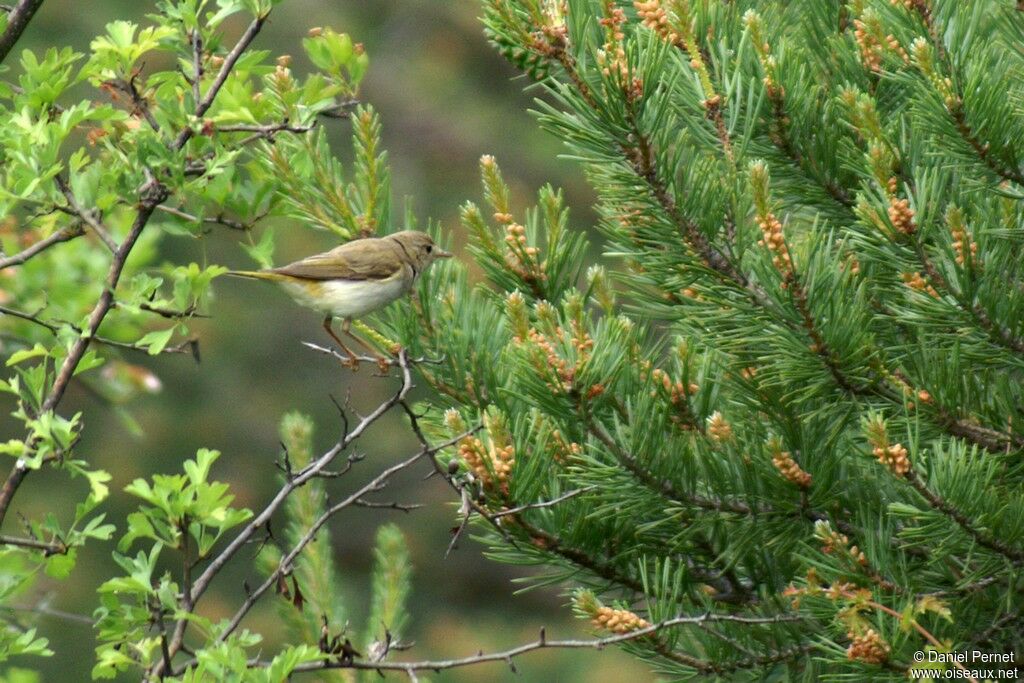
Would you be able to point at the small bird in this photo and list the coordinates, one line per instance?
(354, 279)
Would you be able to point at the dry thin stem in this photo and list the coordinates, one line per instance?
(88, 217)
(543, 504)
(63, 235)
(48, 548)
(219, 219)
(45, 611)
(188, 346)
(410, 668)
(285, 565)
(296, 480)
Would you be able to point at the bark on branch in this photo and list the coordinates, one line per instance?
(17, 22)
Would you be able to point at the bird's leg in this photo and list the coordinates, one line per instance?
(352, 361)
(382, 362)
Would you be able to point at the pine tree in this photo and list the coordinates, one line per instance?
(782, 415)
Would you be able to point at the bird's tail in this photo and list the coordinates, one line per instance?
(256, 274)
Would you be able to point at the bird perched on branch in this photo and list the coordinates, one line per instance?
(354, 279)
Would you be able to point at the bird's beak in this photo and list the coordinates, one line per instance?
(441, 253)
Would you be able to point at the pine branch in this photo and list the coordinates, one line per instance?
(983, 539)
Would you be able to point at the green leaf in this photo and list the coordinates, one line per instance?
(98, 484)
(59, 566)
(156, 340)
(263, 251)
(13, 447)
(26, 354)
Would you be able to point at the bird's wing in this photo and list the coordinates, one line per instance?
(366, 259)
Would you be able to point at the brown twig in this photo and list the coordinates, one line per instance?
(222, 76)
(54, 328)
(48, 548)
(298, 478)
(17, 22)
(65, 234)
(219, 219)
(355, 498)
(87, 216)
(542, 642)
(153, 194)
(913, 623)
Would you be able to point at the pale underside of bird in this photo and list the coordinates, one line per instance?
(355, 279)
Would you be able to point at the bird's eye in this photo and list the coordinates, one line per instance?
(429, 248)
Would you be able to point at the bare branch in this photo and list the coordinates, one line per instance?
(54, 326)
(543, 504)
(219, 219)
(409, 668)
(265, 129)
(369, 359)
(401, 507)
(63, 235)
(298, 478)
(88, 216)
(285, 564)
(48, 548)
(196, 39)
(17, 21)
(49, 612)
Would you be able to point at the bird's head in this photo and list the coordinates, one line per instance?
(419, 247)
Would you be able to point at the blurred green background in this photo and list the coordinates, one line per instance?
(445, 98)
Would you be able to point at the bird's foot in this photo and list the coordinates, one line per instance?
(352, 363)
(383, 366)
